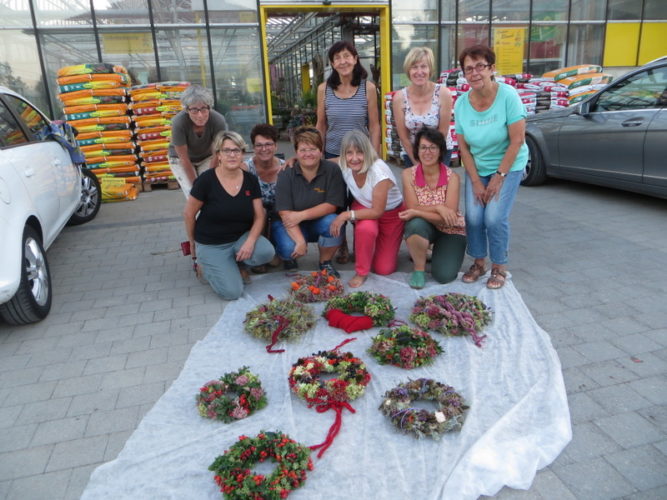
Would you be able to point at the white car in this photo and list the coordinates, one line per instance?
(41, 190)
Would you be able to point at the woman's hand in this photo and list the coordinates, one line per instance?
(493, 188)
(291, 218)
(449, 216)
(300, 249)
(479, 191)
(246, 250)
(408, 214)
(337, 224)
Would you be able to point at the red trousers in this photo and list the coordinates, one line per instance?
(376, 242)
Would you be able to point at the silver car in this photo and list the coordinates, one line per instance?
(616, 138)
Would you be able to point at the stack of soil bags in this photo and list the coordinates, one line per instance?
(391, 136)
(580, 81)
(94, 98)
(153, 106)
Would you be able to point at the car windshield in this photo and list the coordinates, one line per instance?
(647, 89)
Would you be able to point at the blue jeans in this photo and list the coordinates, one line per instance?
(316, 230)
(218, 263)
(489, 225)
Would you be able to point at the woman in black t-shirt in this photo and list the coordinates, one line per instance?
(228, 230)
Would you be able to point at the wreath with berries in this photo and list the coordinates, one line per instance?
(233, 470)
(214, 402)
(449, 415)
(374, 305)
(279, 319)
(333, 394)
(404, 346)
(452, 314)
(317, 286)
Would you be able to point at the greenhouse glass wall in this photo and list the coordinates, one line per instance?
(223, 45)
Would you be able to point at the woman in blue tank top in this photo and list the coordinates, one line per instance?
(346, 101)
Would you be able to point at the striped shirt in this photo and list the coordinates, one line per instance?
(344, 115)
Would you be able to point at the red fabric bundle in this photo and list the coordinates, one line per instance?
(349, 323)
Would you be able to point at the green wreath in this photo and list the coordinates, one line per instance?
(404, 346)
(234, 475)
(263, 321)
(449, 415)
(374, 305)
(214, 402)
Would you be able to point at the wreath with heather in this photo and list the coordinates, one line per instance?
(350, 383)
(215, 398)
(282, 319)
(452, 314)
(404, 346)
(318, 286)
(233, 470)
(374, 305)
(448, 416)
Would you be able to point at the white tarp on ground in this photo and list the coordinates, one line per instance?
(518, 422)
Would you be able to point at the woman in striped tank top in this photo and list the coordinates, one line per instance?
(346, 101)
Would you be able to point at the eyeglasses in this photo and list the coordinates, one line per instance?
(479, 67)
(231, 151)
(431, 149)
(194, 111)
(265, 145)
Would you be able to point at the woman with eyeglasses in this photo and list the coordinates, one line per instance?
(490, 126)
(192, 132)
(431, 193)
(266, 165)
(224, 219)
(421, 104)
(308, 196)
(377, 201)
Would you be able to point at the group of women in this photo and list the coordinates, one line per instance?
(245, 214)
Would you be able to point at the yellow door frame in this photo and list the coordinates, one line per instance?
(385, 48)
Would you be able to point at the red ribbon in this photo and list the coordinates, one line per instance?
(338, 319)
(282, 324)
(322, 406)
(346, 341)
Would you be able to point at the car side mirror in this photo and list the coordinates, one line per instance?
(585, 108)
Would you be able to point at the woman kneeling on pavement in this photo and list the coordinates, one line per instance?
(224, 219)
(307, 199)
(374, 211)
(431, 192)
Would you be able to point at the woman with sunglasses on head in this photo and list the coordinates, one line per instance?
(377, 201)
(308, 196)
(192, 132)
(266, 165)
(490, 126)
(224, 219)
(421, 104)
(431, 192)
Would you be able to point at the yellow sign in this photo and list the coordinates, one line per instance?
(509, 45)
(127, 43)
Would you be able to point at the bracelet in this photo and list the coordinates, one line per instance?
(501, 174)
(353, 216)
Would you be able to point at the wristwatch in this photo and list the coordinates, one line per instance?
(501, 174)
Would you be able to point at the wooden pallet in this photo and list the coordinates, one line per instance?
(149, 186)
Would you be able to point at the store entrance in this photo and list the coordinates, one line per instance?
(295, 43)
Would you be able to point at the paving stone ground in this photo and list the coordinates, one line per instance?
(589, 262)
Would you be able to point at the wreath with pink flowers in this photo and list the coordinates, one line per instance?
(214, 401)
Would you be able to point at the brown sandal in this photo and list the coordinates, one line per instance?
(473, 273)
(497, 279)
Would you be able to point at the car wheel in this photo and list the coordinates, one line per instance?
(91, 199)
(32, 301)
(535, 171)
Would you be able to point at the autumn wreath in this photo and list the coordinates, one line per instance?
(317, 286)
(375, 306)
(448, 416)
(214, 399)
(233, 470)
